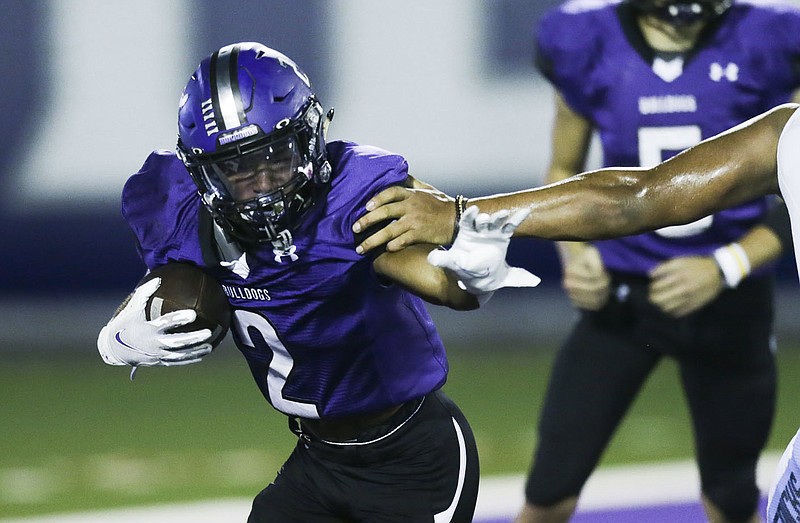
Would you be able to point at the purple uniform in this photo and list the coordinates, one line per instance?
(323, 335)
(647, 108)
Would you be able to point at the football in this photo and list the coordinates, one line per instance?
(185, 286)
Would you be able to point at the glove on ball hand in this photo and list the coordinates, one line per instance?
(130, 339)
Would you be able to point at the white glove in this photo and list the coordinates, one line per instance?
(478, 254)
(129, 339)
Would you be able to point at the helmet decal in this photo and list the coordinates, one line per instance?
(284, 60)
(225, 96)
(238, 134)
(209, 119)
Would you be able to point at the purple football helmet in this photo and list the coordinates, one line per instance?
(682, 12)
(250, 132)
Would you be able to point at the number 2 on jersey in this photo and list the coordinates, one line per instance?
(279, 367)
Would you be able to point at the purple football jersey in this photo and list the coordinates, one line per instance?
(647, 107)
(322, 333)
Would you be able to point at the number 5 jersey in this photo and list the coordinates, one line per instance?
(647, 106)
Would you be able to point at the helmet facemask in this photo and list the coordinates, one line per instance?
(257, 189)
(681, 13)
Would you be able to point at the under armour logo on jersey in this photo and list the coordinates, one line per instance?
(730, 72)
(288, 252)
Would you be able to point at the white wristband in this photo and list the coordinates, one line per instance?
(733, 262)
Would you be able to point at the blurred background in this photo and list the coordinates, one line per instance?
(90, 87)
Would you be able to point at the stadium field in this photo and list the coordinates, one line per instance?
(656, 493)
(79, 436)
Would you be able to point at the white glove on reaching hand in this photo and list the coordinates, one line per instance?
(129, 339)
(478, 254)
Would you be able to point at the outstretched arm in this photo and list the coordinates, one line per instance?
(730, 168)
(410, 269)
(467, 274)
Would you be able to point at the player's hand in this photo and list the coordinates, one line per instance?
(421, 216)
(129, 339)
(478, 255)
(683, 285)
(586, 280)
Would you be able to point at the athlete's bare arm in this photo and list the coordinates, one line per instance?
(410, 269)
(730, 168)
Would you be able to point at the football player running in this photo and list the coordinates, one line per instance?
(340, 343)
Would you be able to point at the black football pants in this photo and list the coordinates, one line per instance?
(727, 370)
(425, 471)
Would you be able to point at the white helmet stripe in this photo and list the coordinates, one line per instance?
(227, 85)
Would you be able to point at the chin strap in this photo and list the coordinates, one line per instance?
(227, 248)
(283, 241)
(231, 254)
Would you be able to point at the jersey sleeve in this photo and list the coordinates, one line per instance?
(776, 30)
(363, 171)
(161, 204)
(565, 60)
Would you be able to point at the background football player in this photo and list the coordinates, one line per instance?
(756, 158)
(653, 77)
(339, 343)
